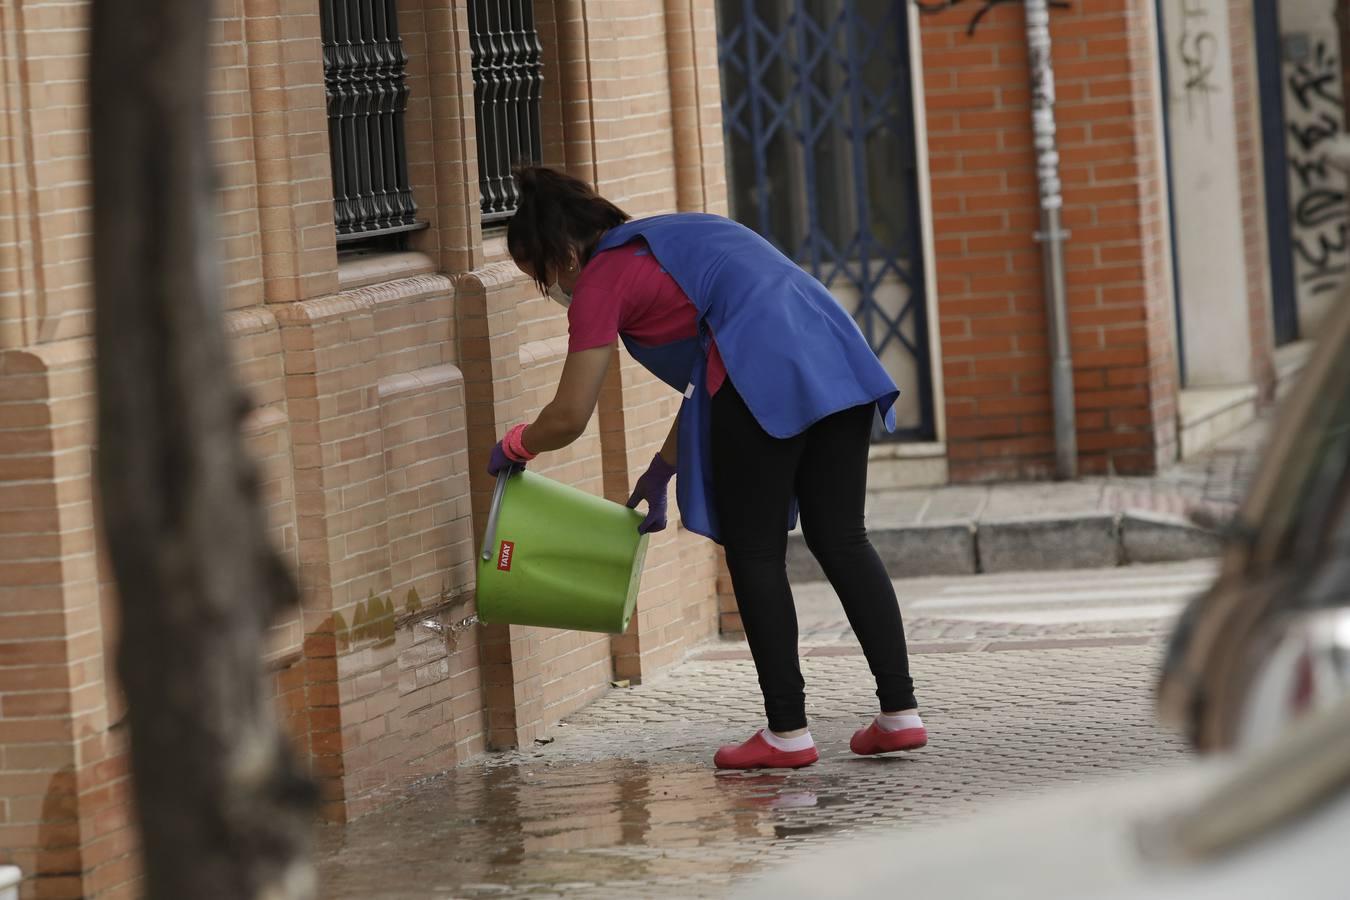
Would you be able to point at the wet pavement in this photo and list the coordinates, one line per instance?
(624, 802)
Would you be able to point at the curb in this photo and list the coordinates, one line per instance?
(1039, 543)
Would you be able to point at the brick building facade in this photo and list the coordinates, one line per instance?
(380, 383)
(1120, 113)
(381, 380)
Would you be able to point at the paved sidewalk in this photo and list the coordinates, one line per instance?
(967, 529)
(1026, 681)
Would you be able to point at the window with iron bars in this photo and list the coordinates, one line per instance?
(364, 68)
(507, 82)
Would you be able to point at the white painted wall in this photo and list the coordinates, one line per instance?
(1314, 115)
(1207, 193)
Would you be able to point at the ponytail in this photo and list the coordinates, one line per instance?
(556, 215)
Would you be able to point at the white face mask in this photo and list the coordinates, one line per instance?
(559, 296)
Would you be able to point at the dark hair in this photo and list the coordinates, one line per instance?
(556, 214)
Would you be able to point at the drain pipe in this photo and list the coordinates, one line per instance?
(1052, 235)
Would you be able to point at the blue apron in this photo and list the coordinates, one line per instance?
(793, 353)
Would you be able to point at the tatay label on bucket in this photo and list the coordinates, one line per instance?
(504, 555)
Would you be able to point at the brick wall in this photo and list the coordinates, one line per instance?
(617, 125)
(44, 109)
(991, 301)
(287, 113)
(666, 101)
(232, 132)
(379, 387)
(380, 435)
(62, 766)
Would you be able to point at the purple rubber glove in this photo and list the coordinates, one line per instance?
(652, 488)
(499, 460)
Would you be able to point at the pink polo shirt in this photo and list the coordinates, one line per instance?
(625, 290)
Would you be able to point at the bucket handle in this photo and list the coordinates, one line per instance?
(490, 533)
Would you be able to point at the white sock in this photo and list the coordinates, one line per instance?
(788, 745)
(898, 723)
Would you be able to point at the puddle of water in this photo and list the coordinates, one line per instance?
(502, 829)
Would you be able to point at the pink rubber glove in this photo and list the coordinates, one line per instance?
(652, 487)
(510, 452)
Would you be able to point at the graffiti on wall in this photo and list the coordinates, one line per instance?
(985, 7)
(1198, 50)
(1321, 223)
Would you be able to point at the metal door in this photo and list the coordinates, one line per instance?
(818, 117)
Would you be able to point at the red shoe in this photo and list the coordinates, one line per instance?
(874, 739)
(758, 753)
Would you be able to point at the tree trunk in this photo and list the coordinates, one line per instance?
(223, 810)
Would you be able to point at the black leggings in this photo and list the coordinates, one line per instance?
(755, 478)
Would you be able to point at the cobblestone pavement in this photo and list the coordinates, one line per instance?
(1026, 682)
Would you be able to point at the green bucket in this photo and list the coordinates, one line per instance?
(557, 557)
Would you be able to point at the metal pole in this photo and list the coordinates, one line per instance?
(1052, 235)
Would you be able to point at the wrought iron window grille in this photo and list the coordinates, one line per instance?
(821, 161)
(364, 67)
(508, 79)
